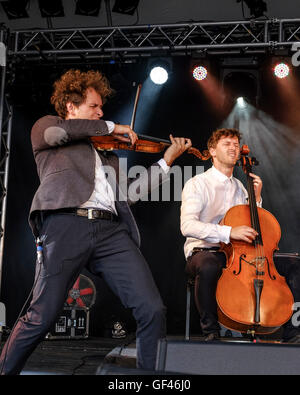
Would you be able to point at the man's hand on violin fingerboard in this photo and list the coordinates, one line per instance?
(179, 146)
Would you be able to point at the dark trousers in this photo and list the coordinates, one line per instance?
(104, 248)
(207, 268)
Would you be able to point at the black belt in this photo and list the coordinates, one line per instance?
(210, 249)
(90, 213)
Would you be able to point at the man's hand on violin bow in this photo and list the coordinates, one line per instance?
(124, 133)
(178, 146)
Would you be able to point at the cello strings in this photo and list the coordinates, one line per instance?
(259, 253)
(260, 242)
(256, 227)
(253, 222)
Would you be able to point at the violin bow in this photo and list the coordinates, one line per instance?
(137, 96)
(150, 138)
(191, 150)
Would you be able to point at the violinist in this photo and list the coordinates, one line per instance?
(205, 200)
(79, 221)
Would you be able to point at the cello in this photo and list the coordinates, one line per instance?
(251, 295)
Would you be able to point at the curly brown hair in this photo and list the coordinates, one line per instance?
(72, 87)
(219, 133)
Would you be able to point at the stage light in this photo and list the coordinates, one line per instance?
(159, 75)
(281, 70)
(159, 69)
(199, 73)
(241, 102)
(125, 6)
(88, 7)
(15, 9)
(240, 84)
(50, 9)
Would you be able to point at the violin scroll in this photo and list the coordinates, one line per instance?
(205, 155)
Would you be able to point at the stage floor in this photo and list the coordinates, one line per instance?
(94, 355)
(73, 356)
(83, 356)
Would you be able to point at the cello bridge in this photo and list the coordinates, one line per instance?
(258, 262)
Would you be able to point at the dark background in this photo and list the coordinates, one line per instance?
(182, 107)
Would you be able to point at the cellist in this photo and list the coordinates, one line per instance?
(205, 200)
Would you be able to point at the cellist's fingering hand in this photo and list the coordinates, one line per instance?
(243, 233)
(257, 183)
(178, 146)
(120, 132)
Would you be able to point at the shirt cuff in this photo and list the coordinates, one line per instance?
(163, 164)
(224, 233)
(110, 126)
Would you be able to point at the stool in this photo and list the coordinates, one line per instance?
(189, 286)
(190, 283)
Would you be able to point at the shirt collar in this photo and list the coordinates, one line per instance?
(220, 176)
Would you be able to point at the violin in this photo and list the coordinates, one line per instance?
(144, 143)
(251, 295)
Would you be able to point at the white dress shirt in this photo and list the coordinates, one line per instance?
(102, 196)
(205, 200)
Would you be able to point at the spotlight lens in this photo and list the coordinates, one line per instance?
(159, 75)
(199, 73)
(281, 70)
(241, 102)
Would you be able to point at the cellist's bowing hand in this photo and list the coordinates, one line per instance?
(257, 183)
(243, 233)
(124, 133)
(178, 146)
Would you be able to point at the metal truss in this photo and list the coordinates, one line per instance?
(5, 142)
(6, 127)
(4, 170)
(148, 40)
